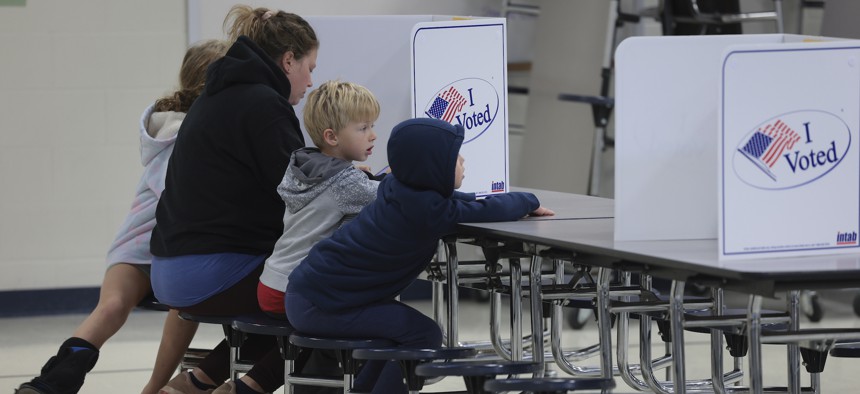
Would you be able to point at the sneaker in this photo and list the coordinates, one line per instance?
(181, 384)
(226, 388)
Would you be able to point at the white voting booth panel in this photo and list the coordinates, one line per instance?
(460, 76)
(695, 119)
(666, 141)
(426, 66)
(789, 166)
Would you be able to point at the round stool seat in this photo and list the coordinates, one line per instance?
(234, 338)
(315, 342)
(847, 350)
(150, 303)
(476, 368)
(263, 325)
(397, 354)
(410, 358)
(222, 320)
(545, 385)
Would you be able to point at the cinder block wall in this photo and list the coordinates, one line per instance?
(74, 78)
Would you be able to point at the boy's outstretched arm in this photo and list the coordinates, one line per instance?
(542, 211)
(458, 195)
(496, 208)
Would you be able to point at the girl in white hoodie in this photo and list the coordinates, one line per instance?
(127, 281)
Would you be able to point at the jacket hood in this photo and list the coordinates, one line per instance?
(307, 177)
(246, 63)
(422, 153)
(157, 132)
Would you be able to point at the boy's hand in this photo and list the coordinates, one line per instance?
(541, 211)
(363, 167)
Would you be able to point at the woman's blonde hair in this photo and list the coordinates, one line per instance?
(336, 103)
(276, 32)
(192, 75)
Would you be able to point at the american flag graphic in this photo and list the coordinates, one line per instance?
(446, 105)
(766, 145)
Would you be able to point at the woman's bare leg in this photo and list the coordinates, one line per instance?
(175, 338)
(122, 289)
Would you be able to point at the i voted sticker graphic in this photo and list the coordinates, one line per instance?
(470, 102)
(791, 150)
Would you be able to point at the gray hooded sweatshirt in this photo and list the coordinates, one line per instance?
(321, 194)
(157, 135)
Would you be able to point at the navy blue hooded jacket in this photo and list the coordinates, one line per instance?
(384, 249)
(231, 152)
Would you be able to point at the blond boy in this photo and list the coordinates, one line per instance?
(322, 188)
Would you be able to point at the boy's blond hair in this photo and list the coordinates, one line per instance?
(336, 103)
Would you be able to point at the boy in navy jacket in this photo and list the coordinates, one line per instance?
(347, 285)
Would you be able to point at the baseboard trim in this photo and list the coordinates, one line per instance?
(16, 303)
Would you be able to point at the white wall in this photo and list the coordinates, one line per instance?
(570, 38)
(74, 78)
(840, 19)
(75, 75)
(556, 151)
(211, 12)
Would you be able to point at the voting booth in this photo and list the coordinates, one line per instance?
(443, 67)
(788, 155)
(748, 139)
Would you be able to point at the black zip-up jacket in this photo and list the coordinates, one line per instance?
(232, 150)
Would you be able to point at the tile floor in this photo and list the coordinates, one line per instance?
(124, 365)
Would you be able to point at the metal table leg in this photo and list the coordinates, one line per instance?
(623, 340)
(453, 293)
(604, 322)
(561, 356)
(717, 345)
(793, 359)
(676, 317)
(536, 309)
(645, 355)
(516, 308)
(754, 335)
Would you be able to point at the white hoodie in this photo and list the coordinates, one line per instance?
(157, 135)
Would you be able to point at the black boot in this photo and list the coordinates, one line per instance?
(65, 372)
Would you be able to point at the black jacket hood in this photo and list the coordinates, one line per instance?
(246, 63)
(423, 152)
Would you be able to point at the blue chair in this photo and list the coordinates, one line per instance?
(815, 344)
(151, 304)
(265, 325)
(280, 329)
(476, 373)
(846, 349)
(735, 335)
(737, 342)
(343, 347)
(548, 385)
(234, 340)
(193, 356)
(411, 358)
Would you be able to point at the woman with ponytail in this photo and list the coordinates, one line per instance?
(220, 214)
(127, 279)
